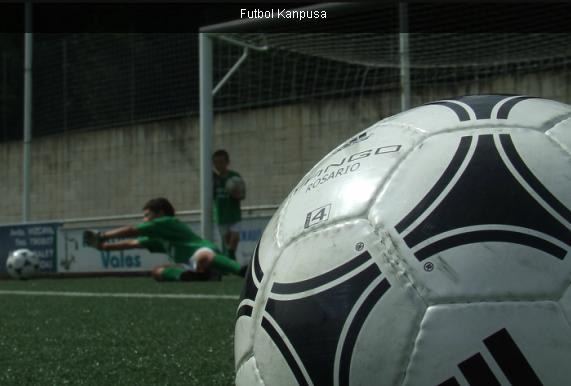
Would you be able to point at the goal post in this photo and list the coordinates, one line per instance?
(413, 59)
(207, 92)
(206, 118)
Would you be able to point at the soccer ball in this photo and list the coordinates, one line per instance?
(22, 264)
(431, 248)
(236, 187)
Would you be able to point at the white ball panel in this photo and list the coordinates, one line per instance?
(270, 361)
(549, 164)
(565, 303)
(343, 184)
(389, 333)
(537, 113)
(413, 178)
(426, 119)
(486, 269)
(324, 250)
(452, 333)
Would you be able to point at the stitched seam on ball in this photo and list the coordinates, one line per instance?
(555, 121)
(244, 359)
(399, 265)
(258, 372)
(388, 251)
(413, 345)
(556, 140)
(563, 311)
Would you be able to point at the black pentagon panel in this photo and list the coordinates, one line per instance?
(355, 327)
(485, 194)
(482, 106)
(313, 324)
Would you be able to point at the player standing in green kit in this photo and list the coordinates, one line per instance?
(191, 256)
(227, 210)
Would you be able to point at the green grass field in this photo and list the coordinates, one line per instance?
(52, 339)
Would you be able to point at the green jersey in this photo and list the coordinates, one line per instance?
(169, 235)
(226, 209)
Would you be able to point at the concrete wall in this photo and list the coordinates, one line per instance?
(115, 171)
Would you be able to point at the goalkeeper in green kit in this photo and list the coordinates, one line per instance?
(191, 256)
(227, 211)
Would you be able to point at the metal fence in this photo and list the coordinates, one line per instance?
(84, 81)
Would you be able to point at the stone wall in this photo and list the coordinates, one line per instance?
(115, 171)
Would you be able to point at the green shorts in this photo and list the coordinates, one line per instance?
(172, 273)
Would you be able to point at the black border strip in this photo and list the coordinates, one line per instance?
(304, 285)
(449, 382)
(477, 372)
(510, 359)
(250, 290)
(531, 179)
(356, 324)
(460, 111)
(482, 105)
(440, 185)
(257, 267)
(288, 356)
(504, 111)
(245, 310)
(491, 235)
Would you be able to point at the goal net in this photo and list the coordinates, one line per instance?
(301, 66)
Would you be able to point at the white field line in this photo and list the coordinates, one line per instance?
(120, 295)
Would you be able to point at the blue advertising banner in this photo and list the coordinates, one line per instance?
(39, 238)
(74, 257)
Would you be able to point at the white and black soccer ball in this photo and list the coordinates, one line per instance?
(430, 249)
(22, 264)
(236, 187)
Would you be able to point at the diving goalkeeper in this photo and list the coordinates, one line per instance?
(191, 256)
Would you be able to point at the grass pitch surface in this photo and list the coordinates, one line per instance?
(104, 340)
